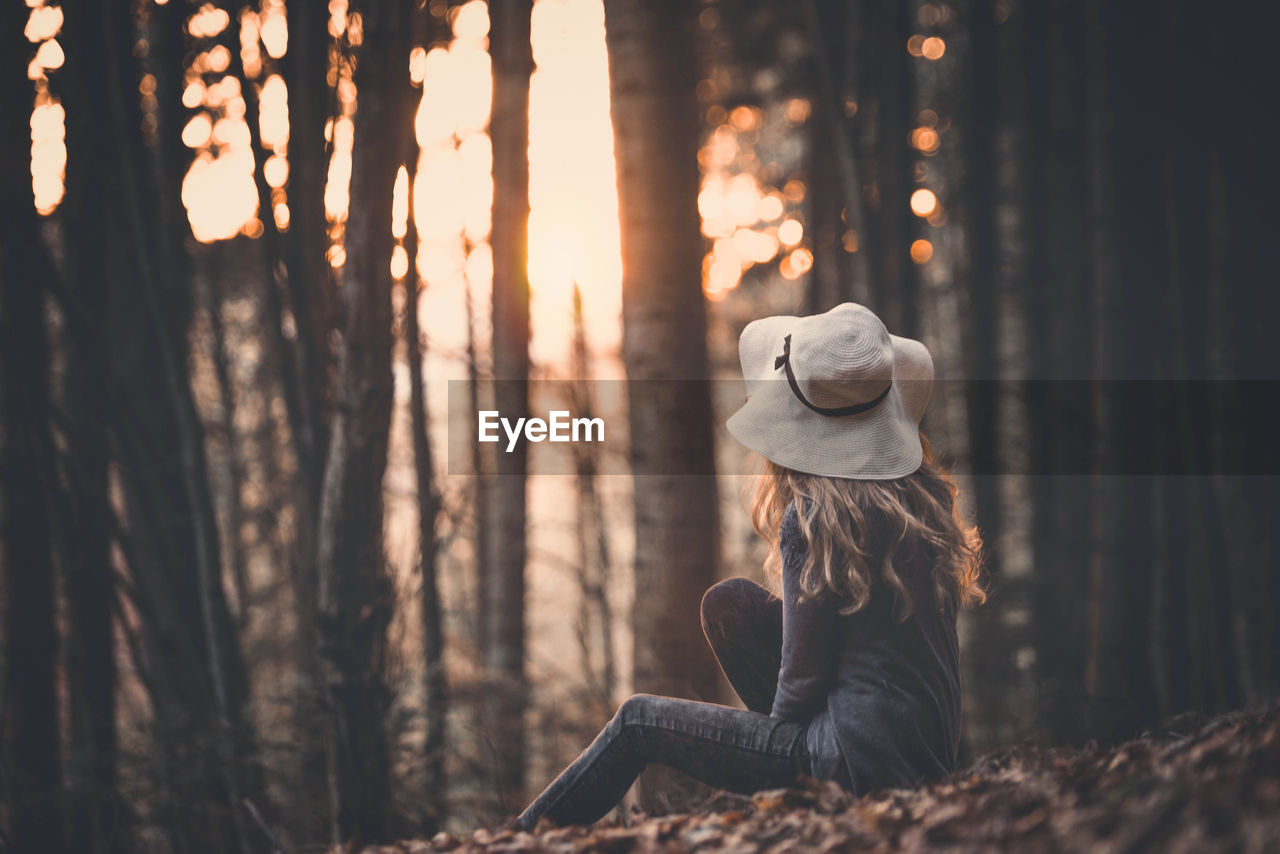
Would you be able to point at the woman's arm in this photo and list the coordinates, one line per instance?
(808, 633)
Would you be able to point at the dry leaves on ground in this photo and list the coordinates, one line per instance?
(1216, 788)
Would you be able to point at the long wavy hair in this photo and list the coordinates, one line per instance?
(857, 530)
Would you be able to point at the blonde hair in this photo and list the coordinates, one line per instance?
(856, 528)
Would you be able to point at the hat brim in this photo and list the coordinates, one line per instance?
(881, 444)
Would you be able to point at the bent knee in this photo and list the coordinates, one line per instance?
(635, 708)
(725, 604)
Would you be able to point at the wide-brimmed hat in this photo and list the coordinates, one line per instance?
(833, 394)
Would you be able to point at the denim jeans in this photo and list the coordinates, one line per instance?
(732, 749)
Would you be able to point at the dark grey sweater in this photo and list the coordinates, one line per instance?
(882, 697)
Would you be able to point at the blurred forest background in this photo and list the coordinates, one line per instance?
(248, 245)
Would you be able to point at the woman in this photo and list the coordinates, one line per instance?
(853, 674)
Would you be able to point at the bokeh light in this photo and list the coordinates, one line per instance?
(48, 154)
(790, 232)
(925, 140)
(737, 203)
(798, 110)
(207, 22)
(48, 118)
(274, 29)
(921, 251)
(400, 206)
(50, 55)
(399, 263)
(923, 202)
(43, 22)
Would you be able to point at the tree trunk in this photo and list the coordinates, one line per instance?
(823, 225)
(199, 684)
(307, 362)
(296, 278)
(95, 823)
(356, 597)
(1130, 683)
(1056, 294)
(594, 553)
(480, 462)
(1117, 671)
(435, 687)
(31, 745)
(989, 654)
(31, 749)
(427, 28)
(1241, 216)
(898, 277)
(89, 590)
(655, 127)
(209, 294)
(309, 277)
(512, 58)
(832, 149)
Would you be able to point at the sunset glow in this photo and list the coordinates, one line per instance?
(573, 223)
(573, 220)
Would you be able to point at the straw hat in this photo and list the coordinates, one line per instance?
(833, 394)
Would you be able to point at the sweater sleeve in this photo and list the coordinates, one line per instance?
(808, 634)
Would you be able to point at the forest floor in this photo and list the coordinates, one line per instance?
(1210, 788)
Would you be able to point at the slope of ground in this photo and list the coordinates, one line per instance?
(1209, 789)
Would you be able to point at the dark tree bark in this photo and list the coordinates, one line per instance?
(833, 27)
(1241, 345)
(435, 687)
(1174, 602)
(865, 104)
(82, 520)
(198, 682)
(210, 297)
(1124, 679)
(284, 259)
(296, 279)
(1056, 294)
(898, 277)
(356, 598)
(426, 29)
(512, 59)
(826, 288)
(480, 462)
(31, 744)
(309, 279)
(655, 127)
(1117, 670)
(1200, 231)
(97, 824)
(274, 268)
(989, 654)
(594, 552)
(31, 750)
(307, 358)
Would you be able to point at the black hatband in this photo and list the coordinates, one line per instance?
(784, 361)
